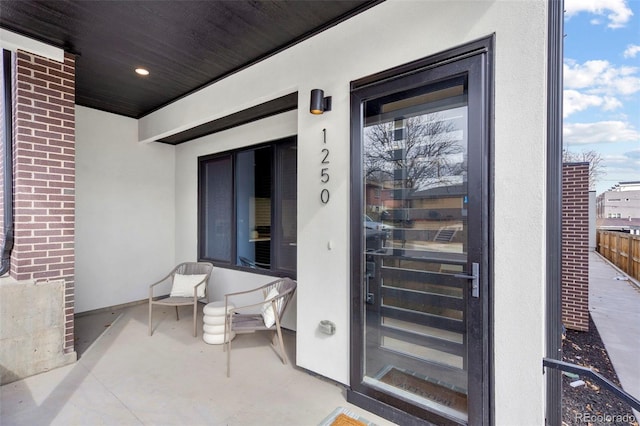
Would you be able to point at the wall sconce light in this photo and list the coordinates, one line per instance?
(319, 103)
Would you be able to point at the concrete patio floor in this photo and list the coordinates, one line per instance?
(126, 377)
(614, 304)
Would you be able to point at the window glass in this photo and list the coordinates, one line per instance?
(216, 206)
(5, 112)
(252, 194)
(253, 207)
(287, 199)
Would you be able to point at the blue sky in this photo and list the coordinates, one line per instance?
(602, 85)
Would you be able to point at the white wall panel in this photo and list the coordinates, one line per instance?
(125, 211)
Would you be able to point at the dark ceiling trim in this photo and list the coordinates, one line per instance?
(277, 106)
(302, 38)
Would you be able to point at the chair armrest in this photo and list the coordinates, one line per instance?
(163, 279)
(231, 311)
(273, 299)
(261, 289)
(195, 288)
(253, 290)
(228, 296)
(156, 283)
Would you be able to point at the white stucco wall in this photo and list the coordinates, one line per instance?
(390, 34)
(125, 211)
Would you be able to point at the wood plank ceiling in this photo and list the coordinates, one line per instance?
(185, 45)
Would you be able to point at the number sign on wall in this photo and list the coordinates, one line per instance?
(324, 169)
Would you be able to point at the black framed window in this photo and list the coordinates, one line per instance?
(6, 160)
(248, 208)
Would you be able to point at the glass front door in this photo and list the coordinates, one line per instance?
(421, 256)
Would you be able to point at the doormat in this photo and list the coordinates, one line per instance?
(425, 388)
(344, 420)
(344, 417)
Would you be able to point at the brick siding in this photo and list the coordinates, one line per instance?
(44, 175)
(575, 246)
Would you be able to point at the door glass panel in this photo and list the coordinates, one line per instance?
(415, 235)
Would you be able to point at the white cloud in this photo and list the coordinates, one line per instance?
(580, 76)
(631, 51)
(575, 101)
(599, 76)
(635, 155)
(616, 11)
(597, 83)
(626, 167)
(610, 103)
(599, 132)
(627, 160)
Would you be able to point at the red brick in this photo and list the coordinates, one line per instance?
(62, 116)
(575, 246)
(45, 175)
(51, 108)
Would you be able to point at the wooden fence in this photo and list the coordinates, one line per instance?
(622, 249)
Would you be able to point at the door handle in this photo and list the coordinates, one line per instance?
(474, 277)
(369, 297)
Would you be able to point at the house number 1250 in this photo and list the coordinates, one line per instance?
(324, 171)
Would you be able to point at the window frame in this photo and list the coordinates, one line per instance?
(6, 160)
(276, 208)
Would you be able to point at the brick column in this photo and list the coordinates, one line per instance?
(44, 175)
(575, 245)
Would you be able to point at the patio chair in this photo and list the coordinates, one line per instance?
(189, 286)
(276, 295)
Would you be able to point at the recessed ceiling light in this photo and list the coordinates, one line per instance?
(142, 71)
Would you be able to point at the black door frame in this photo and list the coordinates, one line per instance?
(479, 56)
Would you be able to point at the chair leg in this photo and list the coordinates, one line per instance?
(195, 312)
(224, 337)
(229, 358)
(150, 306)
(177, 316)
(284, 354)
(228, 343)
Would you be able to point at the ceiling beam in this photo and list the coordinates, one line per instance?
(267, 109)
(13, 42)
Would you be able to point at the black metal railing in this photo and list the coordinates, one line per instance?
(587, 372)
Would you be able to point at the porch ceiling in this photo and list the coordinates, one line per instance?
(184, 44)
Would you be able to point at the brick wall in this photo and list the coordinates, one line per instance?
(44, 174)
(575, 245)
